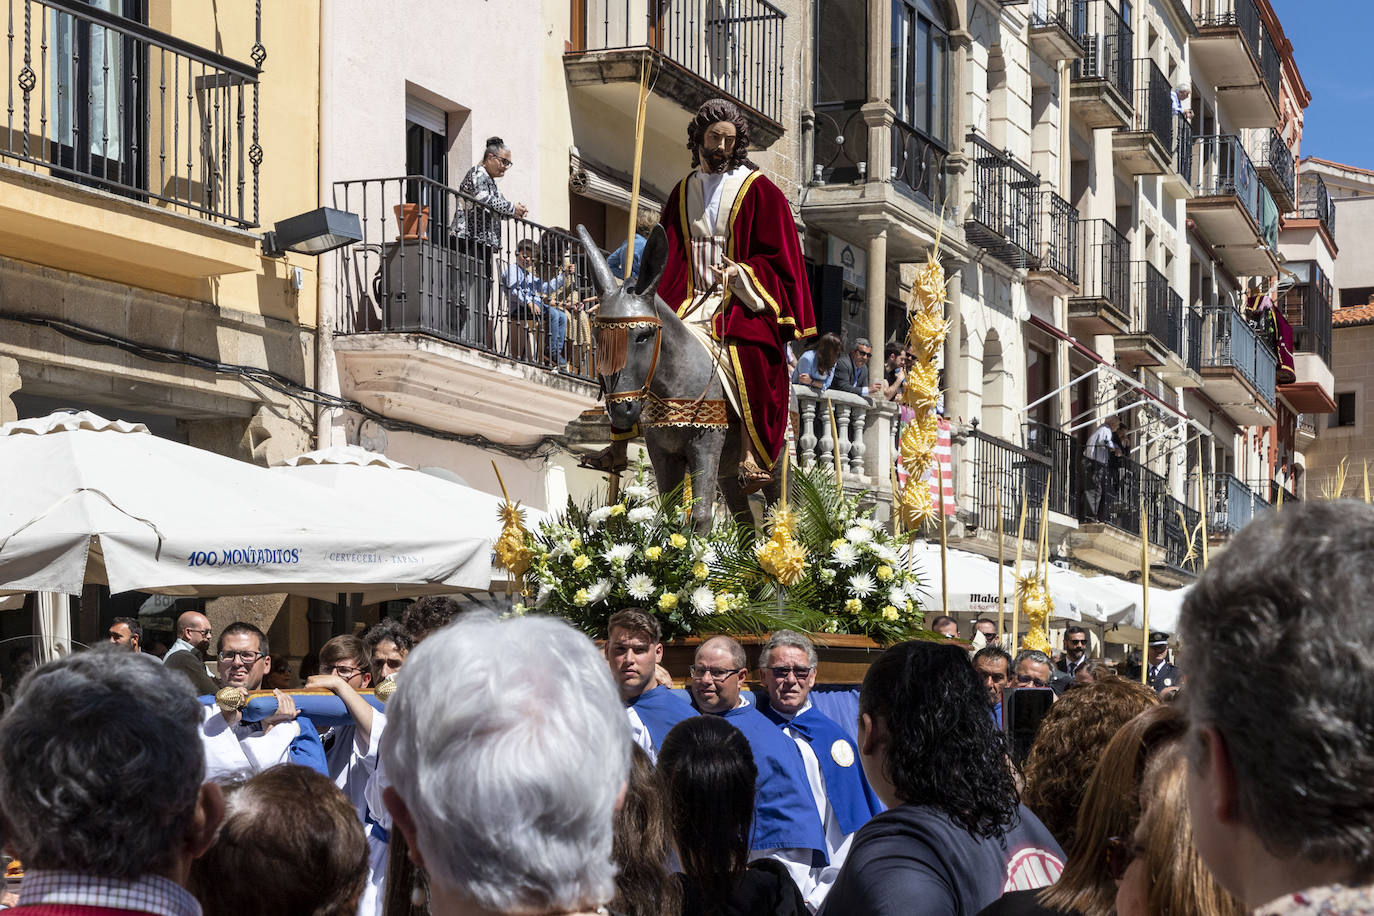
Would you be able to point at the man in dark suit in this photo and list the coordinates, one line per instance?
(1075, 650)
(1162, 675)
(851, 369)
(187, 654)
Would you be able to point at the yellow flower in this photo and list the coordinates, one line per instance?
(580, 562)
(889, 613)
(653, 553)
(575, 544)
(618, 509)
(838, 542)
(723, 602)
(853, 606)
(699, 570)
(678, 541)
(884, 573)
(667, 601)
(581, 598)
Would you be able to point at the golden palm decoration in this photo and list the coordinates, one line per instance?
(512, 547)
(782, 556)
(925, 337)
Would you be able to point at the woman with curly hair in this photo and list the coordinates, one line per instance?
(954, 835)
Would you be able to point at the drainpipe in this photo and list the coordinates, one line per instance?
(323, 269)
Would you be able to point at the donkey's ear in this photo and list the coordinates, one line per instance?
(606, 282)
(652, 262)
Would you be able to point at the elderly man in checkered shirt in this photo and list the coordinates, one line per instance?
(101, 796)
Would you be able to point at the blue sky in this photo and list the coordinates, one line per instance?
(1331, 43)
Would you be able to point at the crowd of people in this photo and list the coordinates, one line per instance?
(521, 768)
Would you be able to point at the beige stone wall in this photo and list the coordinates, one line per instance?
(1354, 372)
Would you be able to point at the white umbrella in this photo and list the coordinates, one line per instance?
(1164, 604)
(972, 581)
(1093, 602)
(410, 492)
(95, 501)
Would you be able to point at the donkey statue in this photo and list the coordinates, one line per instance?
(660, 374)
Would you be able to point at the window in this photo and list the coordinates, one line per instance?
(920, 68)
(1345, 410)
(1358, 295)
(427, 158)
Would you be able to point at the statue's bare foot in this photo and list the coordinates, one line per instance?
(752, 478)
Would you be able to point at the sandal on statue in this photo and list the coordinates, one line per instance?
(752, 478)
(604, 462)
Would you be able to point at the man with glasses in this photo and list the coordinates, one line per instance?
(479, 229)
(234, 747)
(786, 825)
(1075, 650)
(844, 800)
(187, 654)
(851, 370)
(350, 751)
(1032, 669)
(634, 647)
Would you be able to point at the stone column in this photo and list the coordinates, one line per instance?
(877, 298)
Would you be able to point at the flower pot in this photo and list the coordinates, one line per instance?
(413, 219)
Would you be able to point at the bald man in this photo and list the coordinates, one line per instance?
(187, 654)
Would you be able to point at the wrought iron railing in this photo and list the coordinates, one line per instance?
(1307, 307)
(434, 261)
(1314, 201)
(1107, 44)
(1151, 312)
(1274, 162)
(1193, 322)
(1225, 169)
(1245, 16)
(1230, 342)
(1182, 152)
(1059, 236)
(101, 100)
(1003, 215)
(737, 47)
(1273, 488)
(918, 163)
(840, 143)
(1230, 503)
(1069, 15)
(1065, 456)
(1005, 473)
(1154, 107)
(1270, 64)
(1105, 267)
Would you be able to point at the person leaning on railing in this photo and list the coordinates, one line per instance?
(480, 230)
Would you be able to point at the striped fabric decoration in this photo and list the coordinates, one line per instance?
(945, 470)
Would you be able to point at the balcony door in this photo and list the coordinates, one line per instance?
(98, 97)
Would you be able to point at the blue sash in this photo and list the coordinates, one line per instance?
(846, 786)
(784, 812)
(660, 709)
(325, 710)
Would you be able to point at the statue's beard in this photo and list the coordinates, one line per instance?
(717, 162)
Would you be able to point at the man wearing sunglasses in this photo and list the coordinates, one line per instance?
(1075, 650)
(786, 826)
(843, 797)
(233, 746)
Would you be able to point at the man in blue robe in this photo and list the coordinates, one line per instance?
(844, 801)
(634, 647)
(786, 825)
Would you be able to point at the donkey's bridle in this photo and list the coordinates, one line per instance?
(623, 325)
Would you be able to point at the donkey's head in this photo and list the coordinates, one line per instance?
(629, 331)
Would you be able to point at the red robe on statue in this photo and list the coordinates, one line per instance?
(761, 237)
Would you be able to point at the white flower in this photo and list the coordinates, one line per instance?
(640, 586)
(704, 601)
(896, 596)
(599, 516)
(914, 592)
(861, 585)
(599, 591)
(545, 592)
(845, 554)
(866, 522)
(618, 554)
(859, 535)
(639, 494)
(827, 575)
(560, 551)
(641, 514)
(884, 553)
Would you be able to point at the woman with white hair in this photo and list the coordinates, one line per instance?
(507, 747)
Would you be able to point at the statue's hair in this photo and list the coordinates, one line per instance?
(714, 112)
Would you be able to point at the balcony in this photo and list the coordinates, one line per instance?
(1236, 53)
(1306, 306)
(1231, 505)
(1232, 209)
(1274, 163)
(1314, 202)
(435, 324)
(1002, 217)
(1058, 235)
(1055, 27)
(1159, 140)
(1112, 541)
(1273, 491)
(1100, 93)
(102, 103)
(1156, 335)
(698, 50)
(1103, 303)
(845, 198)
(997, 472)
(1238, 367)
